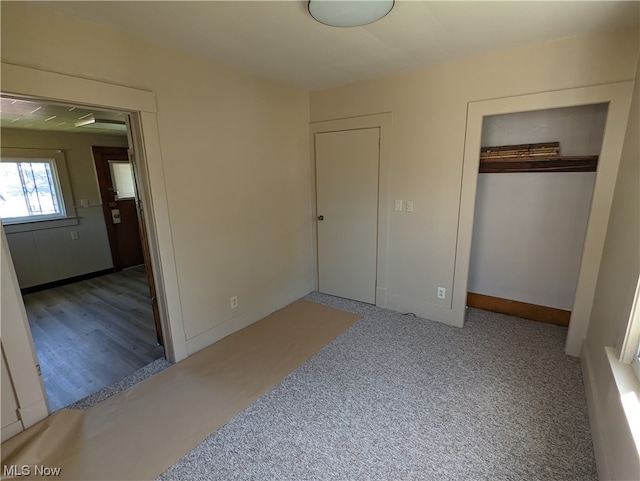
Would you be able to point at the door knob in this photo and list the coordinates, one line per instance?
(320, 217)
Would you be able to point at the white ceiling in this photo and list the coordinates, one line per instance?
(280, 40)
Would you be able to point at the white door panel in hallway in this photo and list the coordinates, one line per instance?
(347, 165)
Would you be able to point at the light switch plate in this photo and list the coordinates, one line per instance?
(398, 206)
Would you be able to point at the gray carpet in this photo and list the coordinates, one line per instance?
(401, 398)
(133, 378)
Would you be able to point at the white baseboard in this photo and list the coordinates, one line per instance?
(381, 297)
(595, 414)
(10, 430)
(33, 413)
(426, 310)
(251, 315)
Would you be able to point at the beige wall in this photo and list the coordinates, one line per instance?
(617, 281)
(235, 154)
(235, 158)
(429, 111)
(47, 255)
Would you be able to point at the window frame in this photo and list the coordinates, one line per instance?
(636, 363)
(630, 349)
(115, 179)
(633, 336)
(68, 217)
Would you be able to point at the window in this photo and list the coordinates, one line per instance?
(631, 345)
(34, 188)
(122, 179)
(29, 190)
(635, 329)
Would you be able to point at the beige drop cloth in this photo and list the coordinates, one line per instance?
(140, 432)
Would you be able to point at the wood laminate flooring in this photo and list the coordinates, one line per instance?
(92, 333)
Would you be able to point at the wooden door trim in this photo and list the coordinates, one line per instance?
(150, 177)
(123, 153)
(146, 252)
(116, 153)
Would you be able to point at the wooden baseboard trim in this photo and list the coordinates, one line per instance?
(534, 312)
(64, 282)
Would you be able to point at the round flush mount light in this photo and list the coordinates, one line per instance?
(349, 13)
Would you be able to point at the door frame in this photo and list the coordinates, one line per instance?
(141, 105)
(103, 177)
(19, 349)
(383, 121)
(102, 172)
(618, 96)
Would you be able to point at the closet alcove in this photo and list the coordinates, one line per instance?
(535, 184)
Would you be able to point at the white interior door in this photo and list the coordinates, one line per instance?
(347, 165)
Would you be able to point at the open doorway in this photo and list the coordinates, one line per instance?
(92, 321)
(617, 97)
(533, 199)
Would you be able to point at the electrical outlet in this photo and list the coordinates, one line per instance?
(409, 205)
(234, 302)
(74, 235)
(442, 293)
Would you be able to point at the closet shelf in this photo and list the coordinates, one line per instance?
(542, 157)
(581, 163)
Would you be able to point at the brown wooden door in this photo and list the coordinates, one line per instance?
(125, 227)
(117, 190)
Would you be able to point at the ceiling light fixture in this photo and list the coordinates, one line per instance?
(349, 13)
(85, 120)
(93, 123)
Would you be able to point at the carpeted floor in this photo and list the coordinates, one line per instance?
(400, 398)
(143, 430)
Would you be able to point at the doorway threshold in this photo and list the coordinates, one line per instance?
(141, 374)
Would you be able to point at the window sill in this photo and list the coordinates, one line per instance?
(40, 225)
(629, 389)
